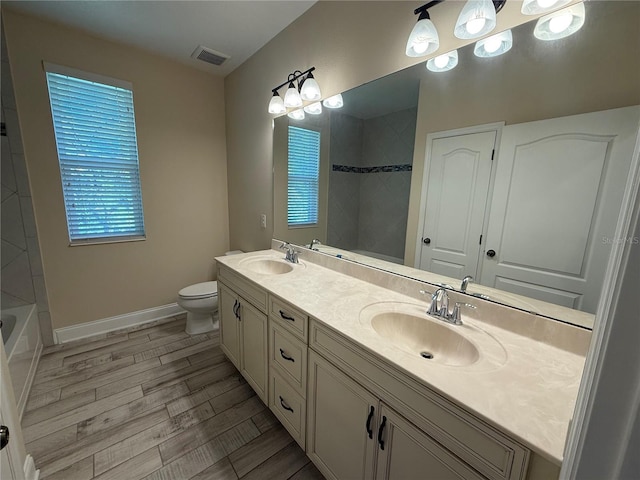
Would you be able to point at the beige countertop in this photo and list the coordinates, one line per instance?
(527, 388)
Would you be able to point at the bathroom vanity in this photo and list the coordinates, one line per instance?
(370, 386)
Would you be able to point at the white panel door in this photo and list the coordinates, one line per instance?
(459, 174)
(555, 206)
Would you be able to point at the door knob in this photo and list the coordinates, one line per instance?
(491, 253)
(426, 240)
(4, 436)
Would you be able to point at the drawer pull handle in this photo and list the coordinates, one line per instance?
(380, 431)
(285, 357)
(236, 309)
(368, 426)
(285, 406)
(286, 317)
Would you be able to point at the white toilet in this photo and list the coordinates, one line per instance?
(201, 303)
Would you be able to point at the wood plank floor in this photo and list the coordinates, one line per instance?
(155, 403)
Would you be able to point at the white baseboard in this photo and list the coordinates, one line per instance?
(106, 325)
(30, 471)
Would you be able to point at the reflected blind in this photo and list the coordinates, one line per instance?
(95, 133)
(303, 176)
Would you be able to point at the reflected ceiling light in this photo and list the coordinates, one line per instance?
(296, 114)
(494, 45)
(333, 102)
(314, 108)
(444, 62)
(560, 24)
(423, 39)
(534, 7)
(477, 18)
(276, 105)
(302, 86)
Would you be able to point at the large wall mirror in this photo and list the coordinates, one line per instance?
(510, 169)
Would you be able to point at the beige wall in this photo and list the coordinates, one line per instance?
(181, 143)
(349, 43)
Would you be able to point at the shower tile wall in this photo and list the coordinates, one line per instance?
(21, 278)
(376, 203)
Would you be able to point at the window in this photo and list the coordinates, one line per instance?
(95, 131)
(303, 176)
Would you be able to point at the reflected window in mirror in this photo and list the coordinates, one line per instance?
(303, 176)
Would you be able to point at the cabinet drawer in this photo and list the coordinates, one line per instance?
(252, 293)
(289, 317)
(486, 449)
(288, 406)
(289, 356)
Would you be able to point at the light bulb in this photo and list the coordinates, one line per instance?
(441, 60)
(310, 89)
(421, 47)
(314, 108)
(276, 105)
(492, 44)
(296, 114)
(423, 38)
(292, 97)
(475, 25)
(333, 102)
(546, 3)
(560, 23)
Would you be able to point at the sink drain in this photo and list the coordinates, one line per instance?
(427, 355)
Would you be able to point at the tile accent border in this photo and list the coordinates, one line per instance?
(106, 325)
(382, 168)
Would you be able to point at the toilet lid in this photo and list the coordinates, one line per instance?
(200, 290)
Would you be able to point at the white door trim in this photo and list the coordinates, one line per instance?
(605, 316)
(431, 137)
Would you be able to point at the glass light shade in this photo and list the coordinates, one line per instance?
(333, 102)
(296, 114)
(423, 39)
(477, 18)
(314, 108)
(534, 7)
(276, 104)
(292, 97)
(494, 45)
(310, 89)
(560, 24)
(444, 62)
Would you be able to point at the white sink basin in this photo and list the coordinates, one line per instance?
(407, 327)
(266, 265)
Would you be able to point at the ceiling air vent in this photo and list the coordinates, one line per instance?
(210, 56)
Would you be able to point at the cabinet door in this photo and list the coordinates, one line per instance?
(341, 423)
(229, 324)
(253, 326)
(407, 453)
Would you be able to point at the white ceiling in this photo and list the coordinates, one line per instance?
(174, 29)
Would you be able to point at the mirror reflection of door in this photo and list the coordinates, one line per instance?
(457, 191)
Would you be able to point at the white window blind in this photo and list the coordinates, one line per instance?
(95, 133)
(303, 176)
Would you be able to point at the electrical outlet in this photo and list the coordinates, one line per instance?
(263, 220)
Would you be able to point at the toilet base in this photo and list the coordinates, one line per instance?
(201, 323)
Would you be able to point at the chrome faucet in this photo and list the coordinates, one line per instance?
(315, 241)
(465, 282)
(291, 254)
(440, 307)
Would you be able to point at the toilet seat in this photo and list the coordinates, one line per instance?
(199, 290)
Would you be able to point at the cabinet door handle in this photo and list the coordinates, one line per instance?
(380, 431)
(368, 425)
(284, 405)
(235, 308)
(285, 357)
(287, 317)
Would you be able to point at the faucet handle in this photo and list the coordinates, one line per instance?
(455, 315)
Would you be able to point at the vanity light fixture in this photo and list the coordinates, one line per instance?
(333, 102)
(534, 7)
(444, 62)
(560, 24)
(296, 114)
(477, 18)
(494, 45)
(423, 39)
(314, 108)
(302, 86)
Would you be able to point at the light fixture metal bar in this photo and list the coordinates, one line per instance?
(426, 6)
(295, 76)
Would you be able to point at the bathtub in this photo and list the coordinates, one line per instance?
(23, 346)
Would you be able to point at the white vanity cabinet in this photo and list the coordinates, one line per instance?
(354, 433)
(243, 328)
